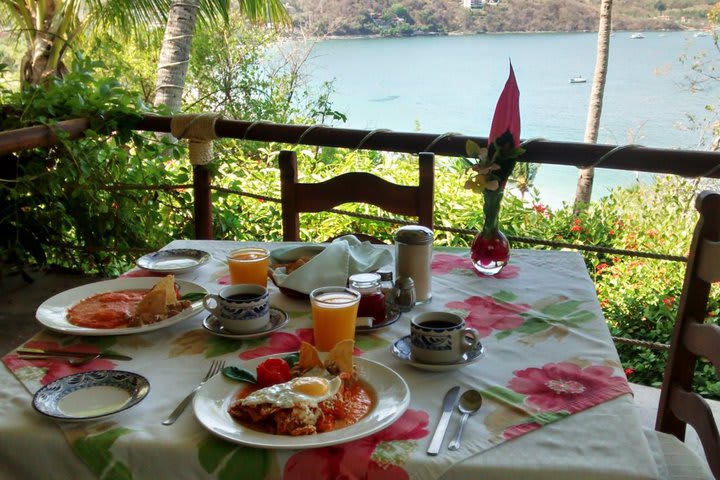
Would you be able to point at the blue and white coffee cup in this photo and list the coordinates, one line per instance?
(441, 337)
(240, 308)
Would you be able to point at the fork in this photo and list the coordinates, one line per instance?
(215, 367)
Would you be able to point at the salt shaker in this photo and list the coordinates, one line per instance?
(403, 295)
(413, 259)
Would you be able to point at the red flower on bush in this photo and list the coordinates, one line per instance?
(629, 371)
(601, 266)
(539, 207)
(567, 387)
(486, 314)
(354, 460)
(669, 301)
(576, 228)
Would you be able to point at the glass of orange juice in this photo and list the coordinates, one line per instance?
(334, 312)
(249, 265)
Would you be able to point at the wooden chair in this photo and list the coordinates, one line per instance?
(693, 339)
(356, 187)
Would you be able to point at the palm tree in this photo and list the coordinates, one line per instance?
(177, 43)
(49, 26)
(583, 192)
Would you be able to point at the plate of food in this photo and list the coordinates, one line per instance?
(122, 306)
(179, 260)
(312, 404)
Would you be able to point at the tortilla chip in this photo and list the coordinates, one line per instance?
(309, 357)
(342, 355)
(167, 286)
(153, 303)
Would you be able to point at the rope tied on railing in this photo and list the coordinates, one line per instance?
(199, 130)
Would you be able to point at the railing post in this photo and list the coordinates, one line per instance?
(203, 203)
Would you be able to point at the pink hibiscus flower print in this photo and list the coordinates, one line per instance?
(485, 314)
(444, 263)
(519, 430)
(353, 460)
(567, 387)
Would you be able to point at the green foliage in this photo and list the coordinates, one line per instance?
(73, 193)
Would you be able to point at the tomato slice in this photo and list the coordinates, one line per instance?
(273, 371)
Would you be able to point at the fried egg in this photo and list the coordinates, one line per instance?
(311, 390)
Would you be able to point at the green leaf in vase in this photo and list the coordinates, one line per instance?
(239, 374)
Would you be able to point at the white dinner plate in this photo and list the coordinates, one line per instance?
(52, 313)
(177, 260)
(90, 395)
(213, 399)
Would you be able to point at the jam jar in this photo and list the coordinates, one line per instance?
(372, 301)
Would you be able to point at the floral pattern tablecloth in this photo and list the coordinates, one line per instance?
(548, 356)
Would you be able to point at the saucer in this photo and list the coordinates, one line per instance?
(391, 316)
(401, 349)
(278, 319)
(173, 260)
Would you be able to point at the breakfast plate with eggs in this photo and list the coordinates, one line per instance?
(222, 404)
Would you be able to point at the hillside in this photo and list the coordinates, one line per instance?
(412, 17)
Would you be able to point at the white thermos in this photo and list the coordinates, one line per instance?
(413, 258)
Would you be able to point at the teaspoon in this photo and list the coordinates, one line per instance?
(470, 403)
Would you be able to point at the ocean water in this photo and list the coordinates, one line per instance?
(451, 84)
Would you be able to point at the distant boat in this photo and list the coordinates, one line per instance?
(578, 79)
(701, 34)
(637, 35)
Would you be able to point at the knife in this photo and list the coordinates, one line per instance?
(449, 402)
(67, 353)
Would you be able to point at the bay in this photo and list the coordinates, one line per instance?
(451, 84)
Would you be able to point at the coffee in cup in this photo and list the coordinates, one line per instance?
(240, 308)
(441, 337)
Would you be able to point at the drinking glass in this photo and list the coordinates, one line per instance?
(249, 265)
(334, 313)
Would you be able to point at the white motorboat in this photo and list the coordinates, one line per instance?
(637, 35)
(578, 79)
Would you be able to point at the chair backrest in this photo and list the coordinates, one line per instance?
(693, 338)
(354, 187)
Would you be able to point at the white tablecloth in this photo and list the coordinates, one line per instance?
(541, 311)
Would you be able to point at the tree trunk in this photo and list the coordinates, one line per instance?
(175, 53)
(583, 192)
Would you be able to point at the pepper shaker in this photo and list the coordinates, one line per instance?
(403, 297)
(413, 259)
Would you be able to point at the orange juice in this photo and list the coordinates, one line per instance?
(249, 265)
(334, 312)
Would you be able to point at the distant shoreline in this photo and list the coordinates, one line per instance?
(461, 34)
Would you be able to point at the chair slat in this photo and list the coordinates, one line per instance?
(703, 340)
(695, 411)
(709, 267)
(354, 187)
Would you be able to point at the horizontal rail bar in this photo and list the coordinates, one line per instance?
(689, 163)
(41, 135)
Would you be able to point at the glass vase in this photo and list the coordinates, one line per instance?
(490, 250)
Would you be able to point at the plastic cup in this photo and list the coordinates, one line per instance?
(249, 266)
(334, 312)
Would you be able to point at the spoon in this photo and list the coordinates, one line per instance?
(470, 403)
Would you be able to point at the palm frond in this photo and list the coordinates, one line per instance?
(264, 11)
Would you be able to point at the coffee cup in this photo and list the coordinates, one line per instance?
(441, 337)
(240, 308)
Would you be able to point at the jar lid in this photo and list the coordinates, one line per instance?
(364, 280)
(414, 235)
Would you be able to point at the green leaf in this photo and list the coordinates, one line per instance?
(94, 450)
(292, 359)
(562, 309)
(503, 296)
(212, 451)
(533, 325)
(370, 342)
(503, 395)
(247, 463)
(193, 296)
(239, 375)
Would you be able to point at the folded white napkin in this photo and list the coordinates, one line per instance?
(332, 264)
